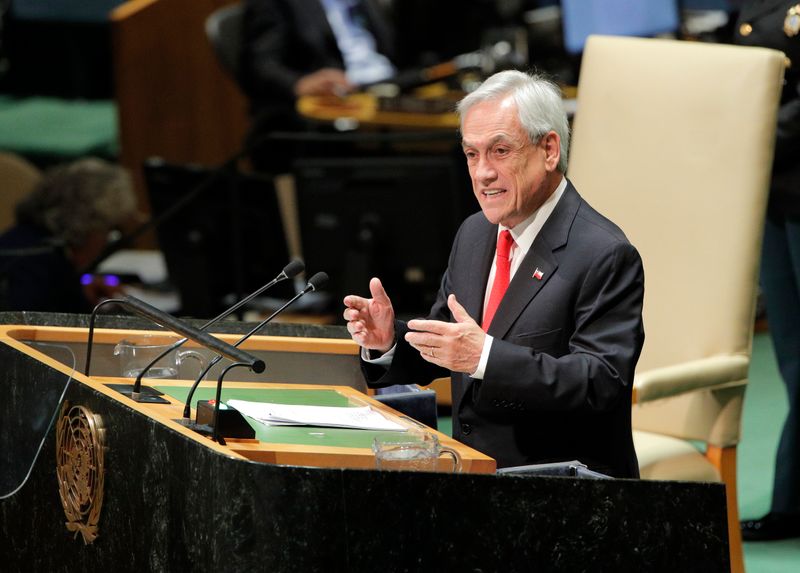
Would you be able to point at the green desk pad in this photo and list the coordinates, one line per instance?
(296, 435)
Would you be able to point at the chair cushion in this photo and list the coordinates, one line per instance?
(662, 457)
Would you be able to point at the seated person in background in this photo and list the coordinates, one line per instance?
(538, 318)
(295, 48)
(60, 228)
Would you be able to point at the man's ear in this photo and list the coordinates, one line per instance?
(551, 143)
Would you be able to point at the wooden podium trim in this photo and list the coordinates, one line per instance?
(167, 414)
(112, 336)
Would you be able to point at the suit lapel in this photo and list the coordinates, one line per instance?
(540, 260)
(312, 11)
(383, 34)
(483, 248)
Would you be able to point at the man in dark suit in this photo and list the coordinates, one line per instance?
(547, 373)
(291, 48)
(295, 48)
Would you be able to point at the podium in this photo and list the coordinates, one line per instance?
(173, 500)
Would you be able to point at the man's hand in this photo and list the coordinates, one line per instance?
(455, 346)
(370, 322)
(327, 81)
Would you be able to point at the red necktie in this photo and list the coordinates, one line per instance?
(502, 275)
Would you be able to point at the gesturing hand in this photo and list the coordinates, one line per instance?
(456, 346)
(370, 321)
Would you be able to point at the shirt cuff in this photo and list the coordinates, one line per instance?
(487, 347)
(384, 359)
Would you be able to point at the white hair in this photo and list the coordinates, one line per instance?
(539, 106)
(73, 200)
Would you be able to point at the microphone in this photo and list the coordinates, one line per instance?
(314, 283)
(291, 270)
(415, 77)
(500, 55)
(171, 323)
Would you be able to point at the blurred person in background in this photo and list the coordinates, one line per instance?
(776, 24)
(61, 227)
(296, 48)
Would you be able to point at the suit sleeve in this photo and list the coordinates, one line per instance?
(267, 28)
(597, 368)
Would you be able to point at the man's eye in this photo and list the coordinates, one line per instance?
(500, 151)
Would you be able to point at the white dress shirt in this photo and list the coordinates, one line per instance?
(362, 62)
(523, 235)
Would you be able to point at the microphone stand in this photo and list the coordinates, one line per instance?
(171, 323)
(236, 240)
(216, 436)
(313, 284)
(289, 271)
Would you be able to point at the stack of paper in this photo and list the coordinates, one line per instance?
(364, 418)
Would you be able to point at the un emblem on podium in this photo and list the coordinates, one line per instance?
(80, 469)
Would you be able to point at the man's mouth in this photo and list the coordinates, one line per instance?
(493, 192)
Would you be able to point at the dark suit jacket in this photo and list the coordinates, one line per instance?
(557, 385)
(287, 39)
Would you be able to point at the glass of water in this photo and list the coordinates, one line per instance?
(137, 353)
(415, 451)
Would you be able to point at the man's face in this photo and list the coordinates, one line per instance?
(511, 177)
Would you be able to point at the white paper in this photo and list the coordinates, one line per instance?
(364, 418)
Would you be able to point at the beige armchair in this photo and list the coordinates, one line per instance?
(673, 141)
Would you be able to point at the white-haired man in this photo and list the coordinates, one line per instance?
(538, 318)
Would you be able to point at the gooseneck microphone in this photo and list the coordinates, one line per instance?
(291, 270)
(175, 325)
(500, 55)
(314, 283)
(216, 434)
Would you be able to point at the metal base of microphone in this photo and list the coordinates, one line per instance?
(232, 424)
(204, 429)
(146, 394)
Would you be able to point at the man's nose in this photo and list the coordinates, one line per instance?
(484, 170)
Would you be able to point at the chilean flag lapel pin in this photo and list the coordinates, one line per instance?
(537, 274)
